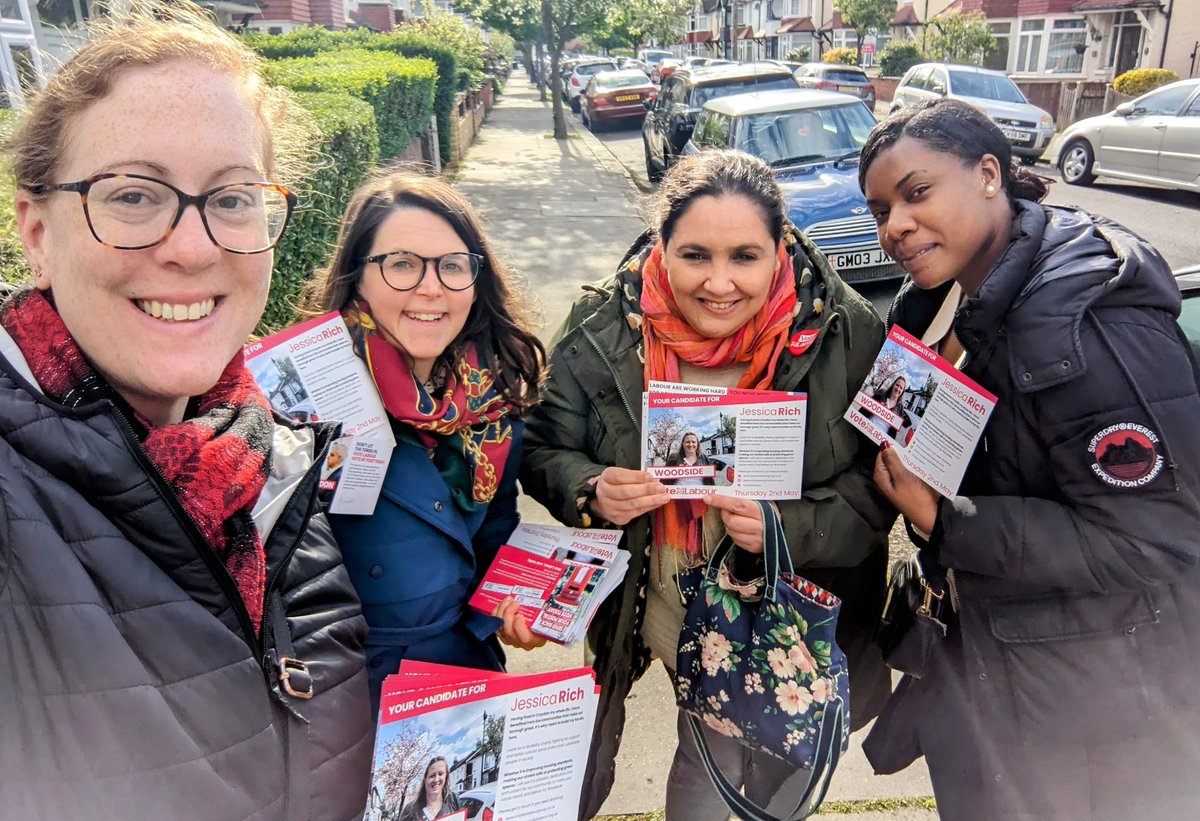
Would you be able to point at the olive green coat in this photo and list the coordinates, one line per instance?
(590, 418)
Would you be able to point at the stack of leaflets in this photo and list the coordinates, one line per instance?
(733, 442)
(485, 745)
(558, 575)
(309, 372)
(917, 400)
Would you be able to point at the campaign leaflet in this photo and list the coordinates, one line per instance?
(516, 745)
(558, 575)
(733, 442)
(919, 402)
(309, 372)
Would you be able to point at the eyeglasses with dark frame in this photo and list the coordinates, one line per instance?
(132, 212)
(404, 270)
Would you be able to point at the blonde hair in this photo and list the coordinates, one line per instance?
(149, 33)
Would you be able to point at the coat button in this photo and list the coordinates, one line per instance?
(376, 571)
(1025, 377)
(602, 393)
(1066, 365)
(574, 349)
(437, 506)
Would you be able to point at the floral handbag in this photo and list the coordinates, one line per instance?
(768, 673)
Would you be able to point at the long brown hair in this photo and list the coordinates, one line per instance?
(422, 796)
(499, 322)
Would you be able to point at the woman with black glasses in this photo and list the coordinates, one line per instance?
(178, 635)
(436, 318)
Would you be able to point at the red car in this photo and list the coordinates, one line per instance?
(664, 69)
(615, 96)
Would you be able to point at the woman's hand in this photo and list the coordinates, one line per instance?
(915, 500)
(743, 520)
(515, 632)
(622, 495)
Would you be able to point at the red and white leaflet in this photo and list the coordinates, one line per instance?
(558, 575)
(934, 414)
(520, 740)
(309, 372)
(733, 442)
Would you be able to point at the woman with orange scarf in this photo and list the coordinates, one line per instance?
(723, 292)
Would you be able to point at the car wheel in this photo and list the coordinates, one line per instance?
(653, 172)
(1075, 163)
(583, 117)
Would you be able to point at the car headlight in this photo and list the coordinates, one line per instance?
(1047, 121)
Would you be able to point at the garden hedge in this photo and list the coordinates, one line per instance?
(1137, 82)
(350, 149)
(898, 57)
(845, 56)
(308, 42)
(400, 89)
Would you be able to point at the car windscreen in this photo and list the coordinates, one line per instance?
(656, 57)
(805, 135)
(595, 68)
(986, 86)
(622, 81)
(839, 75)
(702, 94)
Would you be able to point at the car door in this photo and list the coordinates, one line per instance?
(911, 89)
(681, 116)
(1131, 143)
(655, 126)
(1179, 154)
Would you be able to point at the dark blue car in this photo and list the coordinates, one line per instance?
(812, 140)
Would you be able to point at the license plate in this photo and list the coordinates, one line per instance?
(1014, 136)
(627, 98)
(845, 260)
(849, 90)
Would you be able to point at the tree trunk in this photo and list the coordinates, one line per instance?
(541, 69)
(556, 43)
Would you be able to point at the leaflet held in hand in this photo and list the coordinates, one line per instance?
(919, 402)
(733, 442)
(514, 745)
(310, 372)
(558, 575)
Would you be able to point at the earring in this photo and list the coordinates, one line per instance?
(991, 189)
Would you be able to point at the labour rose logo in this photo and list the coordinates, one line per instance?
(1126, 455)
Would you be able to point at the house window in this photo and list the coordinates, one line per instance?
(1029, 46)
(998, 59)
(62, 13)
(1068, 42)
(13, 10)
(1125, 44)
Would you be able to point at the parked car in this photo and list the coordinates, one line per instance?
(837, 77)
(668, 125)
(580, 74)
(1026, 126)
(664, 68)
(1155, 139)
(653, 56)
(1189, 319)
(811, 139)
(705, 62)
(615, 96)
(726, 467)
(479, 802)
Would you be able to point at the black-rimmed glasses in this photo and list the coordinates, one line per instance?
(131, 212)
(404, 270)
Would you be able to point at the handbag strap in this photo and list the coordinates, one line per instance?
(776, 558)
(825, 759)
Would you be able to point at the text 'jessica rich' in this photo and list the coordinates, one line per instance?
(324, 335)
(548, 699)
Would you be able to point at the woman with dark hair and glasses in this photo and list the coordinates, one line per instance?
(1065, 686)
(181, 639)
(437, 319)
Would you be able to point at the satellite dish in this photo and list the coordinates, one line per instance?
(775, 10)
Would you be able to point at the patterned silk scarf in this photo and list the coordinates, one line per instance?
(669, 339)
(216, 463)
(469, 410)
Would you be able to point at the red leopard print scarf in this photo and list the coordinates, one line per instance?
(215, 463)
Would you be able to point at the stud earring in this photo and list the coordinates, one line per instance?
(991, 189)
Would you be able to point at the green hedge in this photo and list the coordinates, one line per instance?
(898, 57)
(308, 42)
(845, 56)
(1137, 82)
(13, 267)
(400, 89)
(350, 148)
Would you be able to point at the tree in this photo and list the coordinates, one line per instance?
(960, 38)
(493, 735)
(866, 15)
(404, 759)
(563, 20)
(664, 430)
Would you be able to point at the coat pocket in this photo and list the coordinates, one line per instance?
(1080, 667)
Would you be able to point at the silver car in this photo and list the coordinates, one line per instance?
(1027, 127)
(1154, 139)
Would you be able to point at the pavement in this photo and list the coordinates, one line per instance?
(562, 212)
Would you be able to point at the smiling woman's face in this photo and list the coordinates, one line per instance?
(435, 779)
(690, 445)
(720, 263)
(192, 127)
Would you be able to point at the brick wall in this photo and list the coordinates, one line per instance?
(297, 10)
(378, 16)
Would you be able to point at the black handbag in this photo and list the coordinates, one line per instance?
(766, 673)
(912, 621)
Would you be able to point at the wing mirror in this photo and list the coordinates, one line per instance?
(1124, 110)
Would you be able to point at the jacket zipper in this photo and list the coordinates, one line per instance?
(228, 587)
(616, 381)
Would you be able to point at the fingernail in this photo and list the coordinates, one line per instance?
(884, 445)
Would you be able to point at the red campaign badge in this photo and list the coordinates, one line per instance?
(1126, 455)
(801, 341)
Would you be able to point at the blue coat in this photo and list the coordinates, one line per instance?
(417, 560)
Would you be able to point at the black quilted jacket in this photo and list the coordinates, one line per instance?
(131, 684)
